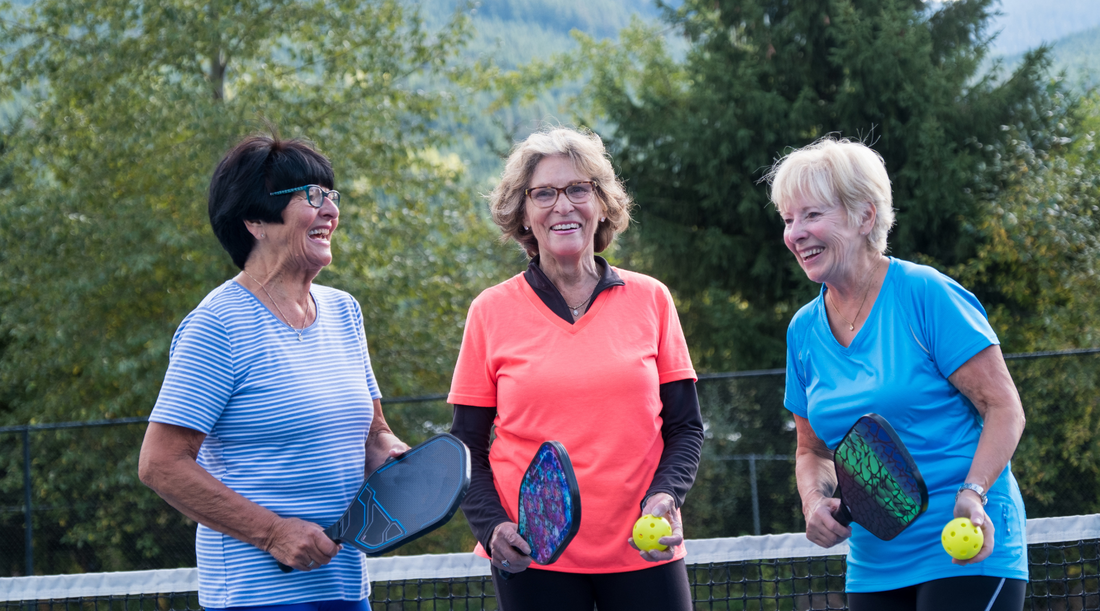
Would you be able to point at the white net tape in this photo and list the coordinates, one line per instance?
(398, 568)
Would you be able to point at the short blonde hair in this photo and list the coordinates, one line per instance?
(840, 172)
(590, 158)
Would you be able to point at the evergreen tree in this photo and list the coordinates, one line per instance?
(761, 76)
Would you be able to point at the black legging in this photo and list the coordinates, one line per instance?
(662, 587)
(970, 593)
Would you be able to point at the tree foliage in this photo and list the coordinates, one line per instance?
(694, 136)
(126, 108)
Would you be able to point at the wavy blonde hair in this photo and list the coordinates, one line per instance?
(840, 172)
(589, 157)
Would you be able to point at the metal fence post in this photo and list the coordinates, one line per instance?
(28, 526)
(755, 495)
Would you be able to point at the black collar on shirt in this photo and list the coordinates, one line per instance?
(550, 295)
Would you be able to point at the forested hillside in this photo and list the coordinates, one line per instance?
(1077, 56)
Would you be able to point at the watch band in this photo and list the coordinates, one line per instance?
(974, 487)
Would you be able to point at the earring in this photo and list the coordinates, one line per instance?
(263, 235)
(603, 219)
(526, 228)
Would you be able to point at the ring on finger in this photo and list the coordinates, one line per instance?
(505, 563)
(310, 565)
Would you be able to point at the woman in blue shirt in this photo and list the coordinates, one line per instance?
(905, 341)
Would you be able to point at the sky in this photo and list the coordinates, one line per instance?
(1025, 24)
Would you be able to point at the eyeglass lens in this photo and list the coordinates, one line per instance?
(316, 197)
(578, 193)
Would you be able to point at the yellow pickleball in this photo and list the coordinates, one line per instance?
(648, 531)
(962, 539)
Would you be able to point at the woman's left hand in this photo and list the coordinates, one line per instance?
(662, 505)
(969, 505)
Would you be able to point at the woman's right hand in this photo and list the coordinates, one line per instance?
(821, 527)
(509, 551)
(300, 544)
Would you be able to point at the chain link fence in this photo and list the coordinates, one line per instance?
(89, 513)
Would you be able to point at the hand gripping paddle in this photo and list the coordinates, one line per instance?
(549, 503)
(406, 498)
(878, 482)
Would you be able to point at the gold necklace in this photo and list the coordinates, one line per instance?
(867, 291)
(287, 320)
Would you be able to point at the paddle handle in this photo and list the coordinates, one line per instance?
(842, 515)
(331, 535)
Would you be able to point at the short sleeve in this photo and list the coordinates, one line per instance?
(673, 357)
(368, 371)
(795, 393)
(474, 382)
(199, 380)
(952, 320)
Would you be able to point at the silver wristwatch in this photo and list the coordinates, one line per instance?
(976, 488)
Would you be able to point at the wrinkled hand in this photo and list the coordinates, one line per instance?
(663, 505)
(506, 546)
(822, 528)
(300, 545)
(969, 505)
(381, 448)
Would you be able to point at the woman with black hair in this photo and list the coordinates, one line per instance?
(269, 413)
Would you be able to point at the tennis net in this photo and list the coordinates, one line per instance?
(770, 572)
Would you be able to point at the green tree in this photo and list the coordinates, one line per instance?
(127, 108)
(694, 136)
(1039, 257)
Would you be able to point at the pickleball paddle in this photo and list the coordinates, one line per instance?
(405, 498)
(549, 503)
(879, 484)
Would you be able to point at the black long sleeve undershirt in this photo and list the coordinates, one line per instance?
(681, 428)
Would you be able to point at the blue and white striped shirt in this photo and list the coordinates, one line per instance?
(286, 425)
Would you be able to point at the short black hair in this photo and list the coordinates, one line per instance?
(255, 167)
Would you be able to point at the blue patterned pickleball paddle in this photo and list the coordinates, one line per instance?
(549, 503)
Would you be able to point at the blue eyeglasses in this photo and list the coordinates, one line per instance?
(315, 195)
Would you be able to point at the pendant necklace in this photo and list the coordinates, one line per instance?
(576, 309)
(299, 332)
(867, 291)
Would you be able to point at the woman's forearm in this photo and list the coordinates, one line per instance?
(482, 507)
(167, 465)
(382, 443)
(813, 467)
(986, 382)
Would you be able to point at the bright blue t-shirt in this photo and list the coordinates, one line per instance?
(286, 425)
(921, 328)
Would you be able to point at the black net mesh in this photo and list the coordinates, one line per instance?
(1065, 576)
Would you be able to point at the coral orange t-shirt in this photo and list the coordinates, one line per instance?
(593, 386)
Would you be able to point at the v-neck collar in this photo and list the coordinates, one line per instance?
(544, 289)
(872, 314)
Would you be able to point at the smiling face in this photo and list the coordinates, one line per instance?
(304, 239)
(828, 248)
(565, 230)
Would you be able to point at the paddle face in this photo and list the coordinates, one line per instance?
(549, 503)
(407, 497)
(879, 483)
